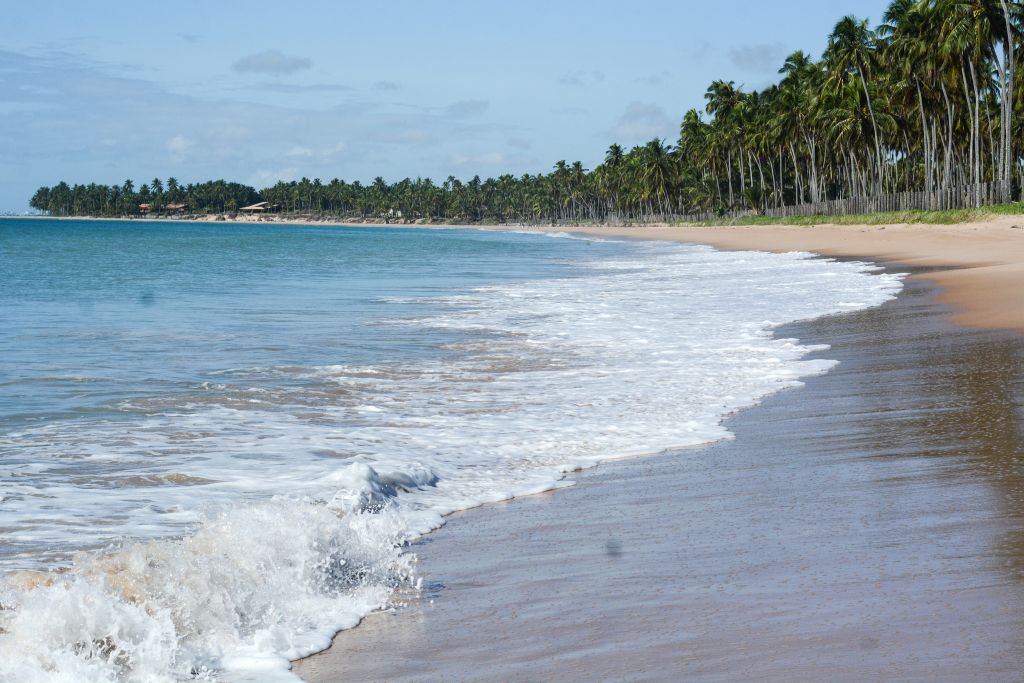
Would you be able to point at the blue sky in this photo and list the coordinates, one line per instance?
(261, 91)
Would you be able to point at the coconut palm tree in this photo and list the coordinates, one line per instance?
(851, 52)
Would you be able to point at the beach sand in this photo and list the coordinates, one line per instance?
(979, 266)
(869, 526)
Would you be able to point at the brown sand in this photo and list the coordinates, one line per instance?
(867, 527)
(982, 264)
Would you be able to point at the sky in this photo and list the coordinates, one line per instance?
(257, 92)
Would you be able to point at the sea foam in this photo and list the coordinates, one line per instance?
(262, 516)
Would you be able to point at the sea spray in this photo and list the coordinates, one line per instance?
(250, 589)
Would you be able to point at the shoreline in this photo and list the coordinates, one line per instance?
(984, 260)
(979, 266)
(970, 272)
(865, 526)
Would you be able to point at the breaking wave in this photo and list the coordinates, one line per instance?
(268, 509)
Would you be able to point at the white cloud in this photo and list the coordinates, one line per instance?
(295, 89)
(760, 58)
(320, 153)
(179, 146)
(399, 134)
(266, 177)
(300, 152)
(581, 79)
(642, 122)
(271, 62)
(701, 49)
(476, 160)
(659, 78)
(571, 111)
(466, 108)
(489, 163)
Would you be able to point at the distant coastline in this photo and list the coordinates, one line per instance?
(929, 217)
(979, 264)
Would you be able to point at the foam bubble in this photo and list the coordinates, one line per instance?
(259, 529)
(250, 589)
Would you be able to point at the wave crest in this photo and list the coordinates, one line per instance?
(252, 588)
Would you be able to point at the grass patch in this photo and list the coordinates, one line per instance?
(891, 217)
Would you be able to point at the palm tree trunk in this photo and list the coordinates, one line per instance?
(924, 137)
(874, 128)
(948, 154)
(798, 190)
(732, 201)
(1011, 69)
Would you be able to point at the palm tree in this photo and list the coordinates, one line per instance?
(657, 173)
(724, 102)
(851, 50)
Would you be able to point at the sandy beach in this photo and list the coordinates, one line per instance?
(978, 266)
(864, 527)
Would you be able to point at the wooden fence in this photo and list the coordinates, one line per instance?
(961, 197)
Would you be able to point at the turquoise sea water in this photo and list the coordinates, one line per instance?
(107, 323)
(216, 440)
(97, 312)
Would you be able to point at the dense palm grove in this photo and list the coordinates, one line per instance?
(926, 101)
(124, 200)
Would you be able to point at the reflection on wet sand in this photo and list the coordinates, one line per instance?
(988, 392)
(869, 526)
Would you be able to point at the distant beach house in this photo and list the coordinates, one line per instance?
(258, 207)
(166, 208)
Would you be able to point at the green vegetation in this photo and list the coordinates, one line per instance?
(123, 200)
(926, 103)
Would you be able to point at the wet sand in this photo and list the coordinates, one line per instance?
(868, 526)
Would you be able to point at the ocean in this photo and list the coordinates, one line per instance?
(216, 440)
